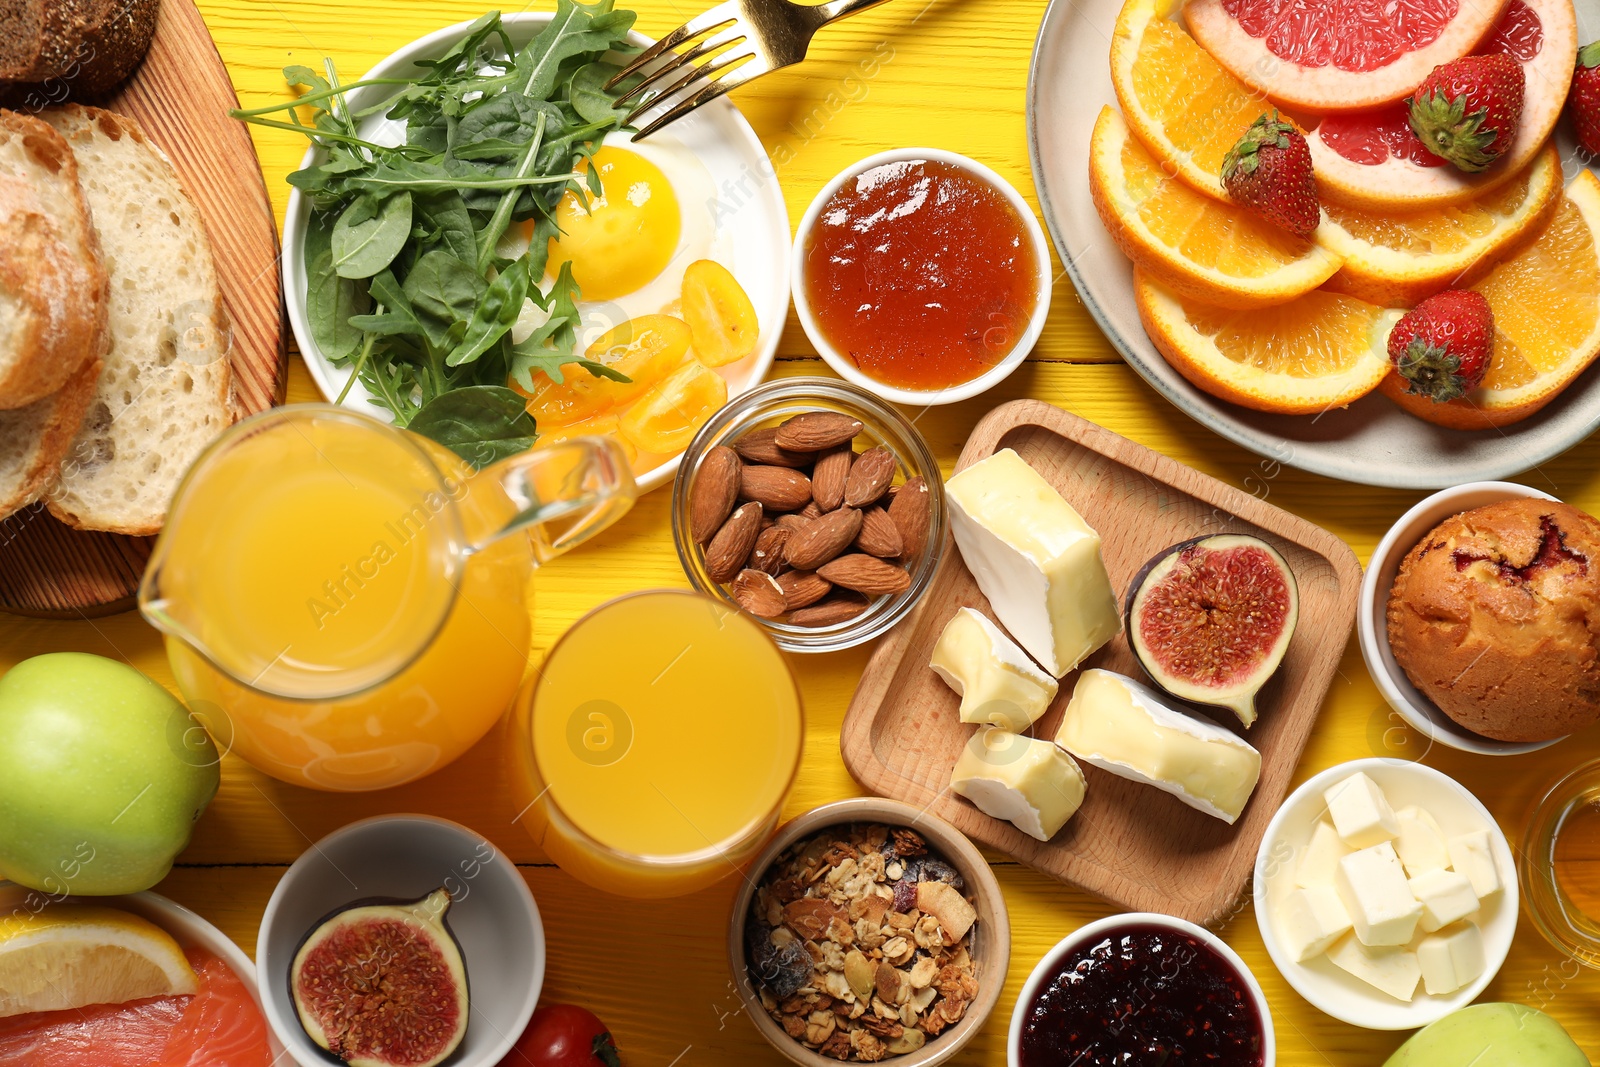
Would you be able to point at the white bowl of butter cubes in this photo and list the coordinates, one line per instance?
(1386, 894)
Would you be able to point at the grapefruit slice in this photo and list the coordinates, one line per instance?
(1318, 352)
(1401, 258)
(1546, 303)
(1195, 245)
(1373, 160)
(1329, 55)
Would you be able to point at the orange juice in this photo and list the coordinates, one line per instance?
(657, 744)
(331, 615)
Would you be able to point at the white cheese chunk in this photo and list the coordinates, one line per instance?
(1390, 970)
(997, 681)
(1451, 958)
(1321, 857)
(1035, 559)
(1420, 842)
(1310, 920)
(1445, 896)
(1373, 886)
(1122, 727)
(1472, 854)
(1360, 811)
(1031, 784)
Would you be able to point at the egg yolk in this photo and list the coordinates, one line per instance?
(627, 235)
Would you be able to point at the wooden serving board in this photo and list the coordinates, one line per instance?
(180, 95)
(1131, 844)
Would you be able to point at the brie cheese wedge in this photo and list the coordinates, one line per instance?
(998, 683)
(1122, 727)
(1029, 783)
(1035, 559)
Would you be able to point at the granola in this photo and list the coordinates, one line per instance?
(859, 943)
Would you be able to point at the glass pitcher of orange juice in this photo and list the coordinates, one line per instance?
(345, 603)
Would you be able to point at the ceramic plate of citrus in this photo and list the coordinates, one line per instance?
(1278, 345)
(707, 185)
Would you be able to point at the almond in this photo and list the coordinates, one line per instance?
(760, 446)
(767, 556)
(728, 550)
(791, 521)
(912, 512)
(865, 574)
(715, 491)
(758, 593)
(814, 431)
(811, 511)
(879, 535)
(775, 488)
(828, 477)
(841, 607)
(869, 477)
(821, 539)
(801, 589)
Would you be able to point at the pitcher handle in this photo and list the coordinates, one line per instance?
(565, 493)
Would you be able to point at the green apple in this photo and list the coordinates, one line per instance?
(1491, 1035)
(102, 776)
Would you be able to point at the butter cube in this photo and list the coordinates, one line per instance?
(1030, 783)
(1361, 812)
(1420, 843)
(1311, 920)
(1445, 896)
(1472, 854)
(996, 680)
(1321, 857)
(1390, 970)
(1451, 958)
(1373, 886)
(1035, 559)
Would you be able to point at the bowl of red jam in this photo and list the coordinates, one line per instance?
(922, 276)
(1141, 988)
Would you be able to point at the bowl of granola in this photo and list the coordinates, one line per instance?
(869, 930)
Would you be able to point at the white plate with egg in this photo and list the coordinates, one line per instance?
(728, 200)
(1284, 848)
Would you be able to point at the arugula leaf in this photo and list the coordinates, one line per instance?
(495, 314)
(370, 234)
(571, 32)
(479, 423)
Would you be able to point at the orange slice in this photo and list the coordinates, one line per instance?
(1192, 244)
(1546, 303)
(1401, 258)
(1179, 101)
(1321, 351)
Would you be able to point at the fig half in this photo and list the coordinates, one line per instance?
(381, 983)
(1210, 619)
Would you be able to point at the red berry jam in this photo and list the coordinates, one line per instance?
(1141, 996)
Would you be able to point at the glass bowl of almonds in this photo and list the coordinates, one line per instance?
(814, 507)
(869, 931)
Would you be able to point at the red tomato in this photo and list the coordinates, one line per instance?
(563, 1035)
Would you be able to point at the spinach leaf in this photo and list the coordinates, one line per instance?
(370, 234)
(479, 423)
(443, 291)
(495, 314)
(330, 299)
(509, 118)
(443, 221)
(589, 97)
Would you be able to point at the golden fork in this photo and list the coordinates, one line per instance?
(744, 38)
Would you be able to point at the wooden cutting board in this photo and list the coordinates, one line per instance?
(1130, 843)
(180, 95)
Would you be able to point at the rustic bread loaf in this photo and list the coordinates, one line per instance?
(52, 283)
(34, 439)
(81, 47)
(165, 392)
(39, 38)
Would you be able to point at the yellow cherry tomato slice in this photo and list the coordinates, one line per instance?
(721, 319)
(599, 426)
(666, 418)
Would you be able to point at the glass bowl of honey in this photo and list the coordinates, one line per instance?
(922, 276)
(1560, 869)
(826, 548)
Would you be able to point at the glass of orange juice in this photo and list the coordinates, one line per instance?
(345, 603)
(656, 746)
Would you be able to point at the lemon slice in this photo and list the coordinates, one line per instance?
(72, 956)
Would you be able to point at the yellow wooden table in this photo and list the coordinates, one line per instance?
(943, 73)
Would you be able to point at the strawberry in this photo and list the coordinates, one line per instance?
(1269, 173)
(1443, 345)
(1467, 111)
(1583, 101)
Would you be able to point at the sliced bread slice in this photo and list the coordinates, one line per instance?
(166, 390)
(35, 439)
(52, 282)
